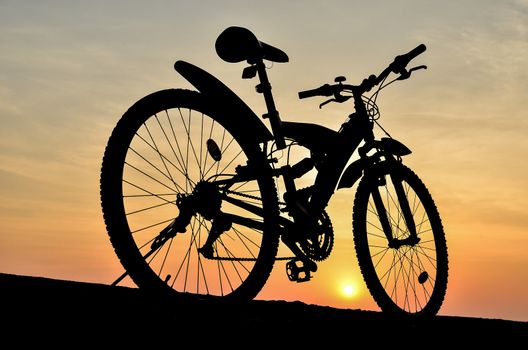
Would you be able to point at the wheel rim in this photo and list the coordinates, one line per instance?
(406, 276)
(169, 154)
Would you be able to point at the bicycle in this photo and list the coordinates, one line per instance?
(189, 184)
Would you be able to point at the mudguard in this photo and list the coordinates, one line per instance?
(355, 170)
(226, 103)
(352, 173)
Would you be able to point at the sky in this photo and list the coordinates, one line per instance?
(70, 69)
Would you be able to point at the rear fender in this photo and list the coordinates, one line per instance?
(226, 104)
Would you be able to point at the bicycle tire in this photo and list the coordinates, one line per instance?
(412, 279)
(146, 163)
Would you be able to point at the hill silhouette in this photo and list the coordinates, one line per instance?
(46, 311)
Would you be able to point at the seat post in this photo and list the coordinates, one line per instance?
(264, 87)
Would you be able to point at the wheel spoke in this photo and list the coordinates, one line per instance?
(158, 154)
(406, 276)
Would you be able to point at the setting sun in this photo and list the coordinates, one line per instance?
(349, 290)
(65, 83)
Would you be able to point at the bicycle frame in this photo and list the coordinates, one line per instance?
(207, 217)
(332, 150)
(330, 153)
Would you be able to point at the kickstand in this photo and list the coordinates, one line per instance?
(119, 279)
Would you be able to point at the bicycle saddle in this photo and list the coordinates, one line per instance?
(237, 44)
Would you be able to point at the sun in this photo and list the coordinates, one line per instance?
(349, 291)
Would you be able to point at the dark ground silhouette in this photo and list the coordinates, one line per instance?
(45, 311)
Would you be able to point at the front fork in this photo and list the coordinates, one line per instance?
(404, 210)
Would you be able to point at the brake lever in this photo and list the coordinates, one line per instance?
(327, 102)
(418, 67)
(406, 74)
(338, 98)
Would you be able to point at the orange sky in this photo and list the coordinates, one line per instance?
(69, 69)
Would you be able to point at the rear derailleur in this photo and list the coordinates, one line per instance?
(204, 200)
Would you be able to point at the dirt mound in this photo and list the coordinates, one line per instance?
(46, 311)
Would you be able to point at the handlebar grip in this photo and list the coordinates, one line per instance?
(325, 90)
(416, 51)
(401, 61)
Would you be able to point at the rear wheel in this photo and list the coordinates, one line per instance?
(406, 279)
(169, 146)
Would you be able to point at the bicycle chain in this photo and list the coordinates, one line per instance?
(246, 259)
(249, 196)
(244, 195)
(306, 249)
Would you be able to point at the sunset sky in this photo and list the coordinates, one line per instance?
(70, 69)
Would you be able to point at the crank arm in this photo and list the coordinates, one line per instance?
(307, 263)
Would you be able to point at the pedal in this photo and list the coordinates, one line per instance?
(299, 271)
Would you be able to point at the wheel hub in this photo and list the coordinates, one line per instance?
(206, 199)
(410, 241)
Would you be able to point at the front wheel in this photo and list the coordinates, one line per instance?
(409, 278)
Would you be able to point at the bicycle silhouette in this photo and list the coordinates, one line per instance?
(189, 193)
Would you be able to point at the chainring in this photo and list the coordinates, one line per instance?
(318, 245)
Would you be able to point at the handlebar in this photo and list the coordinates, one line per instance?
(401, 61)
(397, 66)
(325, 90)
